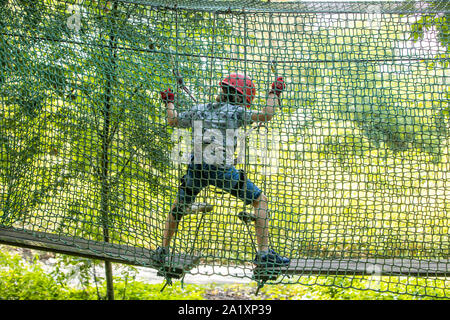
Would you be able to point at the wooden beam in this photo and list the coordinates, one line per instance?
(92, 249)
(390, 267)
(142, 257)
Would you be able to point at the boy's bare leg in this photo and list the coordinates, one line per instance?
(170, 228)
(172, 224)
(262, 222)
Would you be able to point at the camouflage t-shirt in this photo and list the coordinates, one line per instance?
(215, 130)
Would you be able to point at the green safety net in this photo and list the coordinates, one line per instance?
(354, 163)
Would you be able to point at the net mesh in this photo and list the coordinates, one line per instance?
(354, 163)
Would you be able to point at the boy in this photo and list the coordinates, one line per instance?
(211, 162)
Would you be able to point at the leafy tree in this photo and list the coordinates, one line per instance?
(429, 21)
(24, 92)
(81, 109)
(355, 87)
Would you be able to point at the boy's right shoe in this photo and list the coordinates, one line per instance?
(270, 259)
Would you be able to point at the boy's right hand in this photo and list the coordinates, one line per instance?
(278, 86)
(168, 96)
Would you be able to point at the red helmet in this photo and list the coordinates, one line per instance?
(243, 84)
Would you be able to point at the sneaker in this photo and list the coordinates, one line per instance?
(159, 255)
(270, 259)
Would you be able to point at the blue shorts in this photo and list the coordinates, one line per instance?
(229, 179)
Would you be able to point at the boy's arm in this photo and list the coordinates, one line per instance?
(268, 112)
(168, 98)
(172, 115)
(274, 94)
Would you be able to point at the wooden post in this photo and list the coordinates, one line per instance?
(106, 143)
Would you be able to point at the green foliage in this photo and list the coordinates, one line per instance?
(29, 281)
(136, 290)
(84, 146)
(21, 282)
(439, 22)
(371, 91)
(80, 110)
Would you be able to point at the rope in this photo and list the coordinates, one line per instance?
(363, 162)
